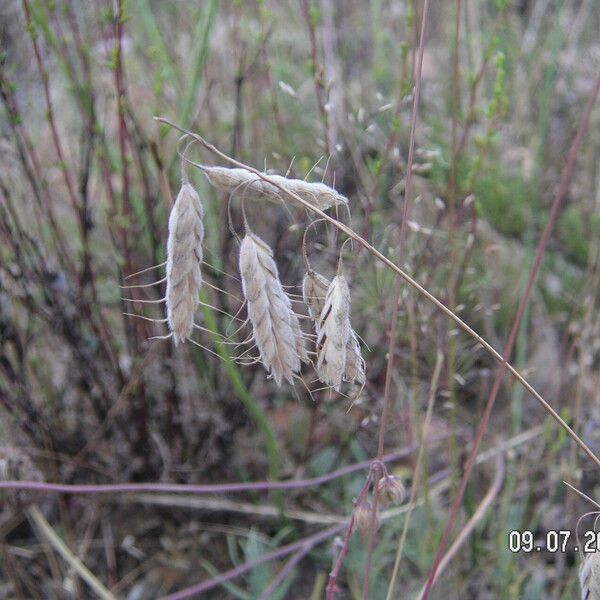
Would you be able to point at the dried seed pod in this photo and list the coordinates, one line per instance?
(390, 490)
(362, 518)
(184, 257)
(589, 577)
(333, 333)
(250, 186)
(314, 290)
(275, 326)
(355, 363)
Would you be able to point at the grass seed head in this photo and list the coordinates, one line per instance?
(362, 517)
(315, 288)
(250, 186)
(390, 490)
(275, 326)
(184, 257)
(333, 333)
(242, 182)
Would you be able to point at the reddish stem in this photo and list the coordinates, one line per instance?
(560, 193)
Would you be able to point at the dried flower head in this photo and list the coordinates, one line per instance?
(589, 577)
(390, 490)
(275, 326)
(362, 517)
(184, 258)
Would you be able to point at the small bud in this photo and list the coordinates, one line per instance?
(362, 517)
(390, 490)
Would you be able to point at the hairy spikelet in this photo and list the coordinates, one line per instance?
(319, 195)
(249, 185)
(355, 364)
(314, 289)
(589, 577)
(333, 333)
(184, 257)
(242, 182)
(276, 329)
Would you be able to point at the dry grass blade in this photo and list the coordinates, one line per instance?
(275, 326)
(184, 257)
(252, 187)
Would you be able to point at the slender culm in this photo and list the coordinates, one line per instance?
(275, 326)
(184, 259)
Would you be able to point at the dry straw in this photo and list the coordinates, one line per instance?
(184, 257)
(275, 327)
(589, 577)
(252, 187)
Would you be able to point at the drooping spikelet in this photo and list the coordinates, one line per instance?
(250, 186)
(589, 577)
(318, 194)
(355, 363)
(184, 258)
(315, 289)
(242, 182)
(275, 326)
(333, 333)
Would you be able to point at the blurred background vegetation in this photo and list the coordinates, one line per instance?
(87, 178)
